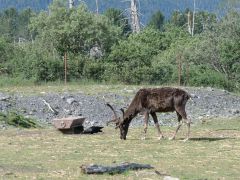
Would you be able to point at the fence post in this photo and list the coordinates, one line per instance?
(65, 68)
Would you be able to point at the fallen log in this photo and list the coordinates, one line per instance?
(99, 169)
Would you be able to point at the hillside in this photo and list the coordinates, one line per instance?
(104, 49)
(146, 8)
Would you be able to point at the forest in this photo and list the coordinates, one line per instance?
(103, 48)
(145, 8)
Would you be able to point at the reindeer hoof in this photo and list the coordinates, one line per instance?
(161, 137)
(185, 140)
(143, 138)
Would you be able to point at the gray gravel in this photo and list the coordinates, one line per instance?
(207, 103)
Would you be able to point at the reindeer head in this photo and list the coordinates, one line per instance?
(120, 123)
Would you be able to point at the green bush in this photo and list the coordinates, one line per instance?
(111, 73)
(33, 62)
(93, 70)
(202, 76)
(162, 73)
(14, 119)
(135, 75)
(75, 66)
(48, 70)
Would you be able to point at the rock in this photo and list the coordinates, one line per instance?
(31, 113)
(235, 111)
(71, 100)
(210, 89)
(3, 127)
(8, 105)
(194, 96)
(170, 178)
(69, 112)
(6, 98)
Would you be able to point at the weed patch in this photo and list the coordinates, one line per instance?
(17, 120)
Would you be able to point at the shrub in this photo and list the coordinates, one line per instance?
(202, 76)
(93, 70)
(18, 120)
(162, 73)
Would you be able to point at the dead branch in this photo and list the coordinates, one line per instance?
(99, 169)
(49, 107)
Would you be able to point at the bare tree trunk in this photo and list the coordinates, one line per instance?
(193, 21)
(97, 6)
(134, 16)
(189, 22)
(71, 4)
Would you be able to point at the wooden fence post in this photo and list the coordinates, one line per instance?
(65, 68)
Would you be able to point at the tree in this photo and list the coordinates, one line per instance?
(215, 53)
(157, 20)
(11, 23)
(24, 21)
(178, 19)
(117, 18)
(204, 21)
(130, 60)
(6, 50)
(76, 30)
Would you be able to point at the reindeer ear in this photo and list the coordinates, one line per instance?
(122, 111)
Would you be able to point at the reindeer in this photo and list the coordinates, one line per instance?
(151, 101)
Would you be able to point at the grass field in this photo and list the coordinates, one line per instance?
(88, 88)
(213, 152)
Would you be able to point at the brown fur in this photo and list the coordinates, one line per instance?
(151, 101)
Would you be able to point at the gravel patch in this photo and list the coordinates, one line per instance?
(206, 103)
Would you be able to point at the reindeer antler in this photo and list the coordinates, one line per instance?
(116, 119)
(114, 112)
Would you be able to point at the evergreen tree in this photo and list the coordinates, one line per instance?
(157, 20)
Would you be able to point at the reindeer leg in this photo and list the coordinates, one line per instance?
(146, 117)
(188, 131)
(182, 112)
(178, 127)
(153, 114)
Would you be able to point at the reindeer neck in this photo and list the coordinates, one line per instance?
(130, 113)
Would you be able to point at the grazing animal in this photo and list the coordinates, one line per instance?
(151, 101)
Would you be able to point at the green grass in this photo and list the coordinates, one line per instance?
(213, 152)
(89, 89)
(24, 86)
(27, 87)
